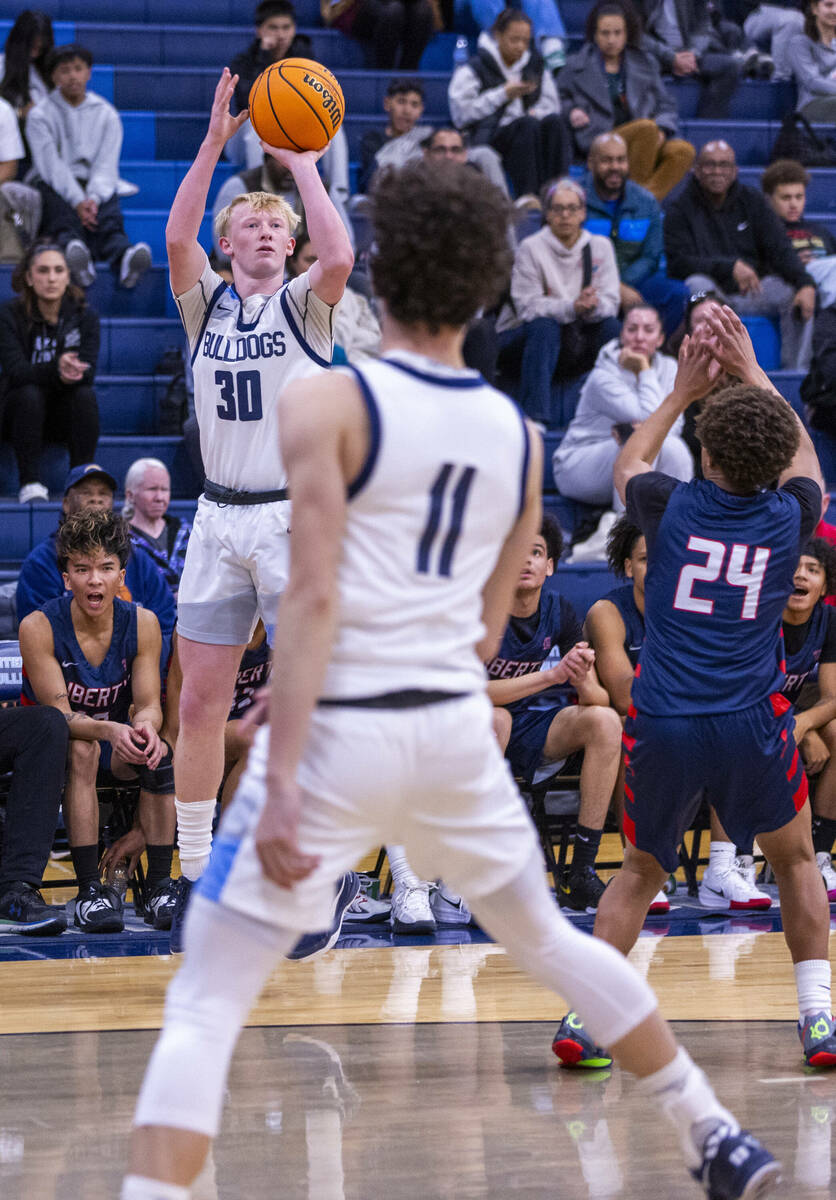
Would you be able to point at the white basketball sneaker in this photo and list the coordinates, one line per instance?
(731, 890)
(411, 912)
(825, 864)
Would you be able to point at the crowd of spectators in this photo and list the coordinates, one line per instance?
(586, 145)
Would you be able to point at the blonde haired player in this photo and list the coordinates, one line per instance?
(247, 342)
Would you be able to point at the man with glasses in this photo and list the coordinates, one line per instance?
(722, 235)
(448, 145)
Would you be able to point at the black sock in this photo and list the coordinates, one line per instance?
(159, 863)
(587, 842)
(86, 864)
(824, 834)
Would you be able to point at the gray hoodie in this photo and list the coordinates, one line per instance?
(75, 149)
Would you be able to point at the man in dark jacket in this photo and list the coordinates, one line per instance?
(722, 235)
(628, 215)
(90, 486)
(275, 38)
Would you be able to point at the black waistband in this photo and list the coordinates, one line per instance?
(222, 495)
(408, 698)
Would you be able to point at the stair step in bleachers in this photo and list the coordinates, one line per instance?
(115, 453)
(134, 345)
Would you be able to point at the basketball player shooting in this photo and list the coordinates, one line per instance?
(247, 342)
(416, 491)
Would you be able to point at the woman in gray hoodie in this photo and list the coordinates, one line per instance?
(812, 57)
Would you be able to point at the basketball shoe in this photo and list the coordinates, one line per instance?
(447, 907)
(735, 1166)
(818, 1040)
(312, 944)
(23, 910)
(580, 890)
(574, 1048)
(731, 890)
(411, 912)
(182, 892)
(158, 910)
(824, 862)
(98, 909)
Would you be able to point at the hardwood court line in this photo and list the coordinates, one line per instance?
(720, 977)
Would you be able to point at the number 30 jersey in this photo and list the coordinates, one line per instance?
(719, 570)
(244, 353)
(442, 487)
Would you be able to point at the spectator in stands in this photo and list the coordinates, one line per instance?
(33, 746)
(400, 139)
(356, 329)
(564, 299)
(394, 32)
(24, 78)
(620, 209)
(721, 235)
(546, 25)
(49, 347)
(549, 704)
(812, 59)
(162, 536)
(611, 83)
(446, 143)
(630, 380)
(784, 183)
(75, 137)
(769, 26)
(91, 487)
(276, 37)
(95, 659)
(505, 98)
(687, 43)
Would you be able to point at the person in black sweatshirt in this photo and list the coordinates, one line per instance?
(721, 235)
(49, 345)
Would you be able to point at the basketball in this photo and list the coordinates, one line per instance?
(296, 104)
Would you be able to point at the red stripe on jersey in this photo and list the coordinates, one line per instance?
(632, 713)
(779, 703)
(628, 792)
(793, 765)
(800, 797)
(629, 827)
(627, 742)
(637, 671)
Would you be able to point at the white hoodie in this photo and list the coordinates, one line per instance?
(612, 395)
(468, 103)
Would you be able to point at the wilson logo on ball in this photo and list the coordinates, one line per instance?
(296, 104)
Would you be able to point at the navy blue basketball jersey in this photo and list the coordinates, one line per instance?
(253, 673)
(719, 570)
(806, 646)
(623, 599)
(102, 692)
(536, 643)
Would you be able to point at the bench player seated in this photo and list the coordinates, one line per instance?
(96, 659)
(809, 627)
(543, 666)
(615, 626)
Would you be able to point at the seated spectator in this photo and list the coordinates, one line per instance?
(770, 26)
(630, 380)
(33, 746)
(276, 37)
(546, 25)
(394, 32)
(24, 78)
(75, 138)
(49, 347)
(550, 705)
(611, 83)
(356, 328)
(621, 210)
(12, 150)
(687, 43)
(162, 536)
(811, 55)
(809, 629)
(784, 183)
(564, 299)
(91, 487)
(402, 136)
(720, 235)
(95, 658)
(505, 98)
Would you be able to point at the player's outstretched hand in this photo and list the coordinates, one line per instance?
(729, 340)
(222, 124)
(293, 158)
(697, 372)
(277, 838)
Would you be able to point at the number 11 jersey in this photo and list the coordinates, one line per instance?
(719, 571)
(244, 353)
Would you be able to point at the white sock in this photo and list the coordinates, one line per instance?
(687, 1099)
(194, 835)
(138, 1187)
(812, 981)
(721, 857)
(402, 873)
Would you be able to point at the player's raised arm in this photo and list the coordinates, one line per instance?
(498, 592)
(329, 239)
(186, 257)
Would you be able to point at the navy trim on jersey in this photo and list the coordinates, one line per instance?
(308, 350)
(374, 435)
(526, 460)
(441, 380)
(215, 297)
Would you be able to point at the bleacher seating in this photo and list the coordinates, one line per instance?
(158, 61)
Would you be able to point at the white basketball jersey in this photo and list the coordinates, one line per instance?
(243, 354)
(441, 490)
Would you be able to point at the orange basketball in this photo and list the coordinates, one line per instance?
(296, 104)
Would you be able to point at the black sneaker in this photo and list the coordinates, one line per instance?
(182, 891)
(158, 910)
(23, 909)
(580, 890)
(98, 909)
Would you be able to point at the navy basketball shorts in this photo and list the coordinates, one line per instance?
(529, 730)
(746, 764)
